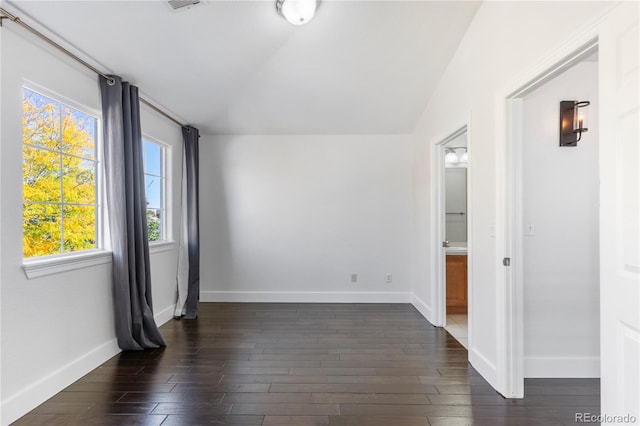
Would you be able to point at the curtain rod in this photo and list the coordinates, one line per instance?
(17, 20)
(158, 110)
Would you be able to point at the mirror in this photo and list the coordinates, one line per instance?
(456, 204)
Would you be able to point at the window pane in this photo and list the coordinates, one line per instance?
(154, 187)
(154, 224)
(153, 191)
(79, 228)
(152, 158)
(40, 120)
(41, 226)
(79, 185)
(59, 177)
(40, 174)
(78, 133)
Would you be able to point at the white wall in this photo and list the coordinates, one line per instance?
(289, 218)
(55, 328)
(561, 261)
(504, 40)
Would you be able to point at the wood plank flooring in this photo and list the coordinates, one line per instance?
(306, 364)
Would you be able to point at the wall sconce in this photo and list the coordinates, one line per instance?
(456, 156)
(297, 12)
(451, 157)
(573, 121)
(464, 156)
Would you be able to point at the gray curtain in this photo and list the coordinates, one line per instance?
(191, 136)
(126, 204)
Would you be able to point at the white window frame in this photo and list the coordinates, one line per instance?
(166, 242)
(40, 266)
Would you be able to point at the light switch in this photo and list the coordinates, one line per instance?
(530, 229)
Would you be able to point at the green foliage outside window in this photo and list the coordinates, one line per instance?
(153, 225)
(155, 180)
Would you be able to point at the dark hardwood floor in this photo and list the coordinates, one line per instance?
(306, 364)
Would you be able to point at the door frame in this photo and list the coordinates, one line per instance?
(438, 227)
(509, 210)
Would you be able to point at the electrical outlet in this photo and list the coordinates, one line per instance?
(389, 278)
(354, 278)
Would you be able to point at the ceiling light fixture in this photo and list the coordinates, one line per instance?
(297, 12)
(179, 4)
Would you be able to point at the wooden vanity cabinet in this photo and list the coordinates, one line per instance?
(456, 269)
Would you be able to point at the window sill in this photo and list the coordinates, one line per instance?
(43, 266)
(40, 267)
(160, 246)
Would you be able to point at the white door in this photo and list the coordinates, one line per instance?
(620, 216)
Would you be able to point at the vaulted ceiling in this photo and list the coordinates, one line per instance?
(237, 67)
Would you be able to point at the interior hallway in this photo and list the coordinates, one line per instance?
(306, 364)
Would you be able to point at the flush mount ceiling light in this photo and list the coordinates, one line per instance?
(179, 4)
(297, 12)
(573, 122)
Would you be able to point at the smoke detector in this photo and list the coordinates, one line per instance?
(180, 4)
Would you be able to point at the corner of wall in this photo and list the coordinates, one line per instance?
(422, 307)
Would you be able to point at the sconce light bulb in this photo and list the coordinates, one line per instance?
(297, 12)
(451, 157)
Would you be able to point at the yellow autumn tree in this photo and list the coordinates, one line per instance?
(58, 177)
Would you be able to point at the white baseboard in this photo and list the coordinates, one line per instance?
(164, 315)
(305, 297)
(562, 367)
(421, 307)
(34, 394)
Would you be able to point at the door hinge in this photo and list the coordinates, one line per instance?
(506, 261)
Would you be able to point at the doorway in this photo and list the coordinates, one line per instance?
(551, 230)
(560, 226)
(456, 160)
(452, 227)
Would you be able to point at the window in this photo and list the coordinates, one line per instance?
(59, 177)
(155, 188)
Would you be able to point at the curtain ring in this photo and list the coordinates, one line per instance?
(111, 81)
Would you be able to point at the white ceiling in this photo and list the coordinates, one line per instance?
(237, 67)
